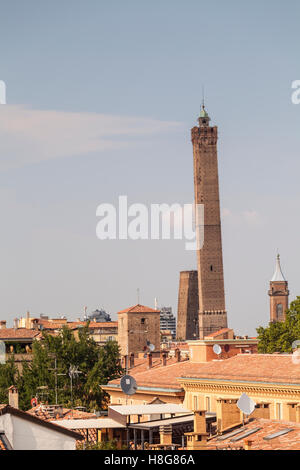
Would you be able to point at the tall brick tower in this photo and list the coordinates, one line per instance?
(279, 294)
(212, 313)
(188, 306)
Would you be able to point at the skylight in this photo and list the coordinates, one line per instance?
(278, 434)
(245, 434)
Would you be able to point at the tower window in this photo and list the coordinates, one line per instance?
(143, 321)
(279, 311)
(211, 267)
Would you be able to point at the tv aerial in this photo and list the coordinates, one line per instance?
(128, 385)
(217, 349)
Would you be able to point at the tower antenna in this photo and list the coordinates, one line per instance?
(203, 101)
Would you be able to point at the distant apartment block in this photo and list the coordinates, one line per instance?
(167, 320)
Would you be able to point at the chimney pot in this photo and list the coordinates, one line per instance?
(13, 397)
(164, 359)
(149, 360)
(131, 360)
(178, 354)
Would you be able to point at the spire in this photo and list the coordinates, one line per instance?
(278, 276)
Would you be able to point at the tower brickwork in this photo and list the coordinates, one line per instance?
(138, 327)
(212, 312)
(188, 306)
(279, 295)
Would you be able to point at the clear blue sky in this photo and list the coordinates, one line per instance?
(72, 67)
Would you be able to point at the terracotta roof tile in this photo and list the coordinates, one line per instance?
(278, 368)
(219, 332)
(40, 411)
(139, 309)
(289, 441)
(52, 325)
(18, 333)
(274, 368)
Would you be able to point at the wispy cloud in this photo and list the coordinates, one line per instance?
(30, 136)
(247, 217)
(251, 217)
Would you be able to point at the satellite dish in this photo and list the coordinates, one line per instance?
(246, 404)
(151, 347)
(128, 385)
(2, 352)
(217, 349)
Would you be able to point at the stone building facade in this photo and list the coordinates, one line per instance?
(138, 327)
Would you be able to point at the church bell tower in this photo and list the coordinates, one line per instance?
(279, 294)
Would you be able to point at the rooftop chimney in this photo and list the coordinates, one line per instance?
(248, 444)
(164, 358)
(149, 360)
(177, 354)
(27, 323)
(165, 433)
(2, 324)
(131, 360)
(228, 414)
(125, 362)
(16, 323)
(13, 396)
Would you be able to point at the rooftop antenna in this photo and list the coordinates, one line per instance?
(56, 374)
(73, 373)
(246, 405)
(155, 303)
(203, 102)
(138, 295)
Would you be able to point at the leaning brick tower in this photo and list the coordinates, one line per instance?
(212, 313)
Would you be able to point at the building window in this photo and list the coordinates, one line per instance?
(279, 311)
(195, 402)
(279, 410)
(143, 321)
(207, 403)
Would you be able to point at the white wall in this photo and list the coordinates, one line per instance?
(25, 435)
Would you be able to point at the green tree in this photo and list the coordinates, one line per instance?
(96, 366)
(279, 336)
(8, 376)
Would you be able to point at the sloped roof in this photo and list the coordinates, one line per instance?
(138, 308)
(267, 368)
(4, 409)
(266, 429)
(219, 332)
(18, 333)
(161, 408)
(40, 411)
(52, 325)
(98, 423)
